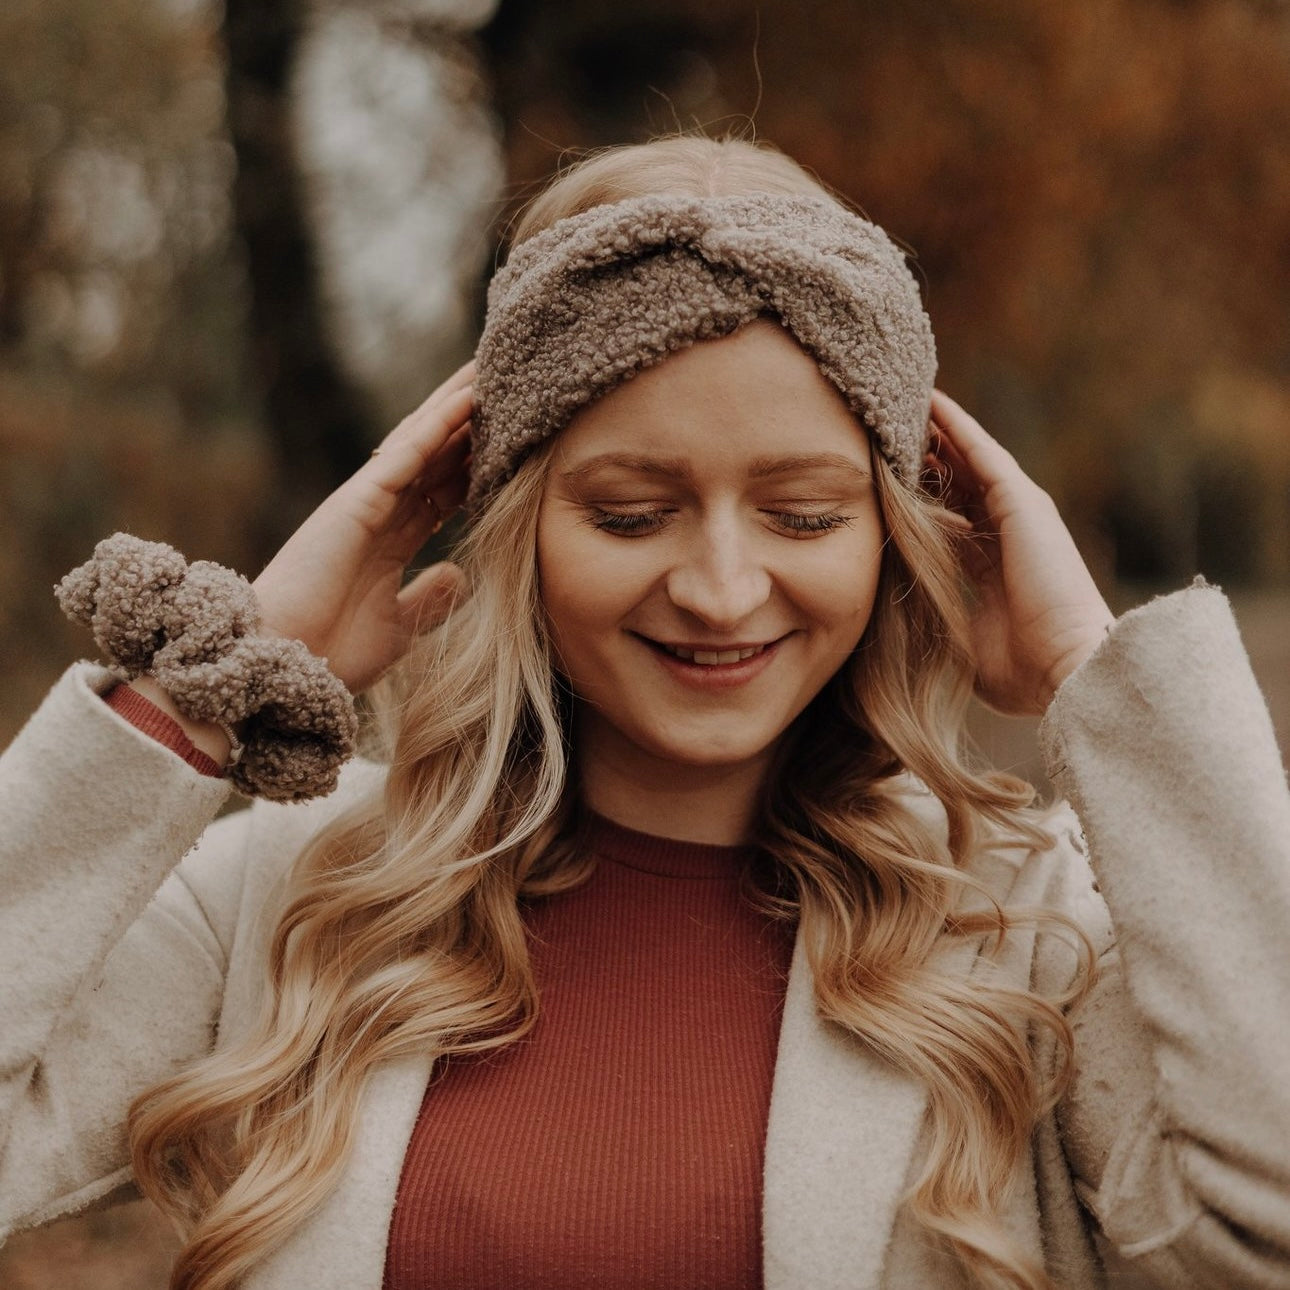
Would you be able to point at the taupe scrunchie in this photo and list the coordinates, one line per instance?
(599, 296)
(195, 628)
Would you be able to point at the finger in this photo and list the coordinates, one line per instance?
(430, 410)
(952, 483)
(429, 416)
(462, 377)
(410, 451)
(983, 458)
(421, 510)
(431, 596)
(944, 449)
(948, 467)
(448, 466)
(445, 483)
(421, 515)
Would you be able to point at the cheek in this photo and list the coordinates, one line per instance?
(839, 589)
(558, 588)
(584, 589)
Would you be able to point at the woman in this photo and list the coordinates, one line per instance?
(728, 968)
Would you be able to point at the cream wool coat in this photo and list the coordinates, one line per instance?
(120, 961)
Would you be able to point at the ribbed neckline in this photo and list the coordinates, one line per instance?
(666, 857)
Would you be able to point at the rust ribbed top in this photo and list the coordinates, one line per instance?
(620, 1145)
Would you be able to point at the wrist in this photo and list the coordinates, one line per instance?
(206, 736)
(1076, 656)
(193, 631)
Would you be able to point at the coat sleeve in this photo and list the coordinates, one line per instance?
(112, 959)
(1178, 1124)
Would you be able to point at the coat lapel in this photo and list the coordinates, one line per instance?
(842, 1129)
(841, 1135)
(844, 1125)
(342, 1247)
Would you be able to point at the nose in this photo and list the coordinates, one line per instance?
(721, 579)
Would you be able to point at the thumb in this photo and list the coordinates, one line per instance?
(431, 596)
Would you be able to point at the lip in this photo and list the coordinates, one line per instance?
(715, 647)
(713, 676)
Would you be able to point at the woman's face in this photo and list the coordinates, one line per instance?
(708, 550)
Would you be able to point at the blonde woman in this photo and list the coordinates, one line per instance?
(676, 942)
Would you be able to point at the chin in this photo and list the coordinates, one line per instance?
(709, 753)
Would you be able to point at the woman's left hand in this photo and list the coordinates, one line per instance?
(1037, 613)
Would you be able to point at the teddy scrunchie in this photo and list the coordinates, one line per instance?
(195, 628)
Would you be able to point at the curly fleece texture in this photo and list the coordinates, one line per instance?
(194, 628)
(599, 296)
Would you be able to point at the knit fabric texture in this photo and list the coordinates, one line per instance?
(144, 715)
(194, 628)
(620, 1145)
(597, 297)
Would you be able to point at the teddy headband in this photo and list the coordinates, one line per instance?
(597, 297)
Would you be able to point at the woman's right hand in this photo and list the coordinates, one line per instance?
(337, 584)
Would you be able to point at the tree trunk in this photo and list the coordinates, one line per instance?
(315, 418)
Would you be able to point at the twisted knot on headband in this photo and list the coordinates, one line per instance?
(597, 297)
(193, 627)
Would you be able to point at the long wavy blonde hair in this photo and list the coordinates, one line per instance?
(401, 929)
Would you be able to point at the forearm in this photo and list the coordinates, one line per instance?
(1163, 745)
(109, 973)
(95, 816)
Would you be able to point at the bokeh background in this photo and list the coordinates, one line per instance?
(239, 241)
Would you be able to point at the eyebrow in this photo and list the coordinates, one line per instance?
(677, 468)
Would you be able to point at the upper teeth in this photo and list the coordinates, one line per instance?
(710, 657)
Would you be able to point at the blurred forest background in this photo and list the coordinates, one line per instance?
(238, 242)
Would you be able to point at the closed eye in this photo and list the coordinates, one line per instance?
(637, 523)
(799, 523)
(627, 523)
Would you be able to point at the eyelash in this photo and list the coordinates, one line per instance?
(639, 523)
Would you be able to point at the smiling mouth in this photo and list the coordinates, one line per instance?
(712, 657)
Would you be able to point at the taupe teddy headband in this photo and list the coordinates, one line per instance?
(596, 298)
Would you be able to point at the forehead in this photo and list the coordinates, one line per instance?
(748, 396)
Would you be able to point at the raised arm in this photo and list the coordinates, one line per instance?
(1177, 1127)
(115, 943)
(98, 998)
(1178, 1124)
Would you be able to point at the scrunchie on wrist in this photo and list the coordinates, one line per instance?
(194, 627)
